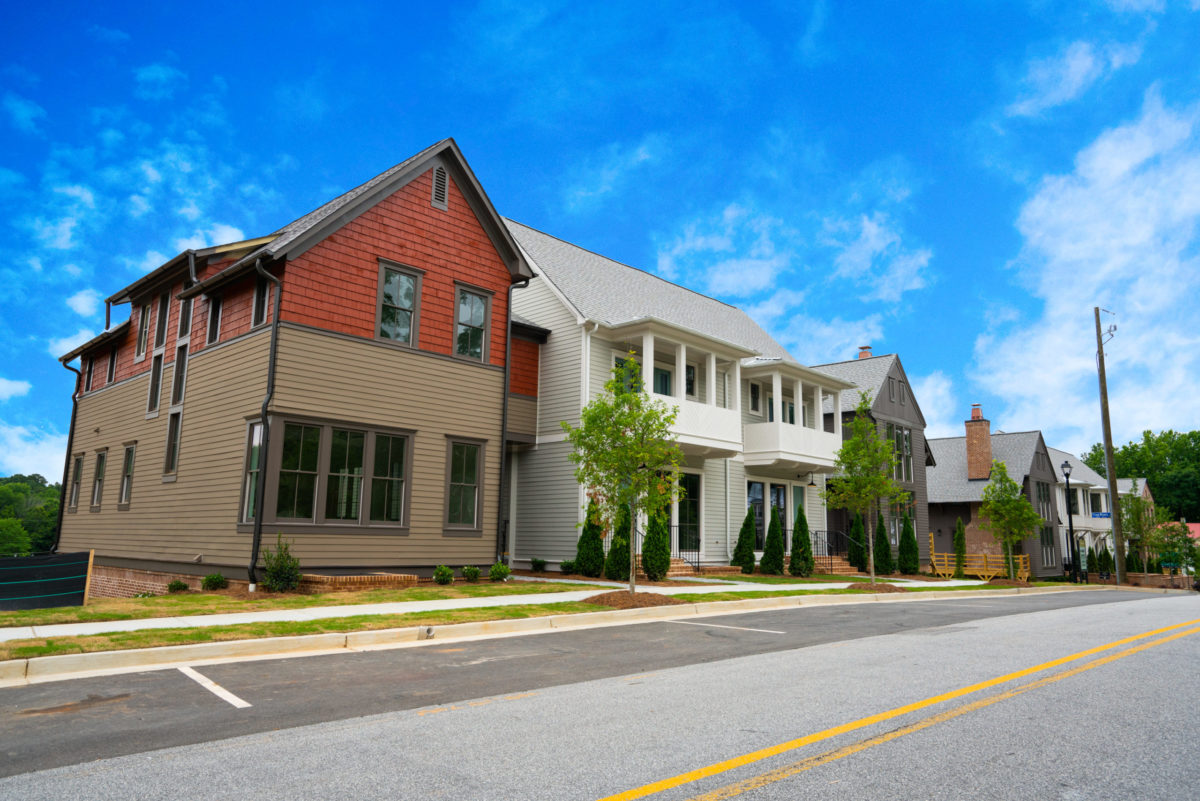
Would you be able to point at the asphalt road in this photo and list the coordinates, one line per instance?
(587, 714)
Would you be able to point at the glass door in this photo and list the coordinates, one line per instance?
(754, 499)
(689, 512)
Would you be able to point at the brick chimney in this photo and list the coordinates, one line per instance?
(979, 445)
(864, 351)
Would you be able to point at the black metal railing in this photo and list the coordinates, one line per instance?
(828, 547)
(685, 543)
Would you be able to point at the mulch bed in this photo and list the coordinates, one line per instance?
(546, 574)
(878, 587)
(623, 599)
(1003, 582)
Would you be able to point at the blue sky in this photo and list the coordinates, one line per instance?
(957, 182)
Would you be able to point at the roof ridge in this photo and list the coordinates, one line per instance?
(855, 360)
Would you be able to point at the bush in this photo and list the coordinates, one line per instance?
(567, 566)
(281, 570)
(856, 552)
(616, 564)
(14, 540)
(1093, 563)
(909, 561)
(498, 572)
(1133, 562)
(960, 549)
(772, 560)
(656, 549)
(743, 552)
(177, 585)
(443, 575)
(1105, 560)
(214, 581)
(470, 573)
(883, 551)
(802, 555)
(589, 552)
(537, 565)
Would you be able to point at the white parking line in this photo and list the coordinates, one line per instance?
(214, 688)
(718, 626)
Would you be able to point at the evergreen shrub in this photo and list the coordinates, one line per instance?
(537, 565)
(589, 552)
(214, 581)
(743, 552)
(960, 549)
(281, 570)
(802, 561)
(470, 573)
(567, 566)
(656, 549)
(909, 561)
(177, 585)
(857, 551)
(499, 572)
(772, 560)
(443, 575)
(883, 551)
(616, 565)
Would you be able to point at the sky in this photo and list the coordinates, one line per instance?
(956, 182)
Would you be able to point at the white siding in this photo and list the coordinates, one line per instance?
(548, 504)
(559, 383)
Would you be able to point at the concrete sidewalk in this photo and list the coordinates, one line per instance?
(405, 607)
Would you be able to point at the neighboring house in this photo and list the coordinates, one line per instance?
(961, 470)
(898, 419)
(749, 421)
(1126, 485)
(365, 344)
(1087, 505)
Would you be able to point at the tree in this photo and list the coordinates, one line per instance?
(1170, 462)
(14, 541)
(33, 503)
(772, 558)
(1093, 561)
(743, 552)
(865, 465)
(589, 551)
(618, 565)
(909, 562)
(1006, 512)
(960, 549)
(623, 450)
(1104, 559)
(656, 549)
(1173, 544)
(883, 550)
(857, 547)
(802, 561)
(1139, 518)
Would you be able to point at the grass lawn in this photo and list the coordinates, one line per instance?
(211, 603)
(759, 578)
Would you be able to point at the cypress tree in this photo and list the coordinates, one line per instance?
(1105, 557)
(1133, 562)
(656, 550)
(883, 550)
(960, 549)
(772, 560)
(743, 552)
(856, 553)
(589, 551)
(802, 555)
(616, 565)
(1093, 565)
(910, 554)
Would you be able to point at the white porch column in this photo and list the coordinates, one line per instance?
(648, 361)
(818, 421)
(737, 385)
(710, 380)
(837, 412)
(798, 401)
(680, 372)
(777, 396)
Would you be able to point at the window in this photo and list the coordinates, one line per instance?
(387, 479)
(463, 491)
(1097, 502)
(343, 488)
(298, 471)
(214, 320)
(891, 389)
(180, 377)
(619, 363)
(1073, 502)
(91, 369)
(155, 385)
(76, 477)
(112, 366)
(399, 293)
(1047, 538)
(171, 462)
(143, 330)
(689, 380)
(262, 291)
(903, 393)
(253, 465)
(755, 398)
(440, 196)
(471, 313)
(662, 381)
(908, 455)
(126, 490)
(789, 412)
(98, 479)
(160, 326)
(185, 314)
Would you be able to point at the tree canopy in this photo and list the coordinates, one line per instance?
(1006, 512)
(33, 504)
(1170, 463)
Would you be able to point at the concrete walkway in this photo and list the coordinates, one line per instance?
(404, 607)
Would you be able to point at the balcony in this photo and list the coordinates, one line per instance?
(707, 431)
(791, 447)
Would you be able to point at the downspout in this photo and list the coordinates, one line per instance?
(500, 529)
(264, 450)
(62, 495)
(192, 267)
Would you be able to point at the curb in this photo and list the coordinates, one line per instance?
(31, 670)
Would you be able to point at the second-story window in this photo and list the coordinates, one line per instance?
(185, 314)
(399, 298)
(112, 365)
(470, 324)
(662, 381)
(160, 327)
(262, 291)
(143, 335)
(91, 369)
(98, 479)
(180, 375)
(126, 490)
(689, 373)
(156, 371)
(76, 478)
(214, 319)
(755, 398)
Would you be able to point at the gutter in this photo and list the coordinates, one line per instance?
(500, 528)
(261, 480)
(62, 495)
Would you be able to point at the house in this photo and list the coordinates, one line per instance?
(342, 382)
(1087, 505)
(749, 417)
(1126, 485)
(898, 420)
(961, 470)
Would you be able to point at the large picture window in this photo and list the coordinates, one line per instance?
(462, 496)
(298, 471)
(399, 295)
(471, 323)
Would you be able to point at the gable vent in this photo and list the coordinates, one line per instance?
(439, 188)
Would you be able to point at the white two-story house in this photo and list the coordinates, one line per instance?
(1087, 504)
(749, 416)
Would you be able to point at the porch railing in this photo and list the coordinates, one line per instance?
(685, 543)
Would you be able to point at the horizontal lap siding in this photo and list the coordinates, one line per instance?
(522, 416)
(559, 360)
(547, 503)
(337, 379)
(716, 523)
(197, 513)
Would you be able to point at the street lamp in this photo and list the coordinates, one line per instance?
(1066, 470)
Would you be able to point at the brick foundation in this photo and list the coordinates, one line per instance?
(315, 583)
(1147, 580)
(126, 582)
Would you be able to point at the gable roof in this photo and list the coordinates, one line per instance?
(612, 294)
(1080, 473)
(947, 479)
(1125, 485)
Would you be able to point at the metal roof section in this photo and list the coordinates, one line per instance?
(947, 480)
(112, 333)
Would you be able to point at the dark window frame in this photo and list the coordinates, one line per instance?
(754, 393)
(143, 332)
(89, 373)
(76, 481)
(485, 329)
(690, 385)
(212, 333)
(111, 374)
(262, 298)
(174, 442)
(417, 277)
(184, 329)
(250, 470)
(344, 475)
(405, 479)
(125, 489)
(160, 325)
(475, 529)
(101, 464)
(179, 375)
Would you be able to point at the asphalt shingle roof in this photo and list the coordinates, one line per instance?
(613, 293)
(865, 374)
(1080, 472)
(948, 482)
(1125, 485)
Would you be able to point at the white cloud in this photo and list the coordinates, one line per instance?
(222, 234)
(27, 451)
(138, 205)
(810, 48)
(24, 114)
(1060, 78)
(55, 234)
(13, 389)
(189, 211)
(80, 193)
(874, 257)
(744, 277)
(821, 340)
(609, 172)
(73, 270)
(736, 252)
(85, 302)
(939, 404)
(57, 347)
(108, 35)
(157, 81)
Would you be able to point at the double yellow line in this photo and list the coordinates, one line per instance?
(1180, 630)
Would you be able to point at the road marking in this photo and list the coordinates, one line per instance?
(787, 771)
(718, 626)
(214, 688)
(792, 745)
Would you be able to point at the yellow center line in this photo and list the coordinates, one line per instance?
(891, 714)
(770, 777)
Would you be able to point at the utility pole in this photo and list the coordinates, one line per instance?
(1114, 500)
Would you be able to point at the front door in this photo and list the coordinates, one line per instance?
(779, 493)
(689, 513)
(754, 499)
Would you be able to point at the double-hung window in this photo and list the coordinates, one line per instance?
(471, 313)
(171, 461)
(755, 398)
(662, 381)
(343, 487)
(253, 465)
(76, 478)
(91, 369)
(143, 336)
(213, 332)
(689, 380)
(126, 490)
(298, 468)
(185, 314)
(387, 479)
(112, 366)
(262, 291)
(179, 378)
(98, 479)
(156, 371)
(160, 326)
(462, 495)
(399, 299)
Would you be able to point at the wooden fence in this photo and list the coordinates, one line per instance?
(981, 565)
